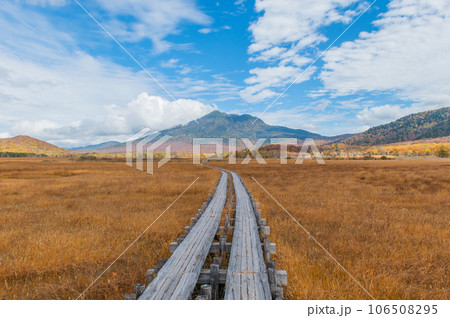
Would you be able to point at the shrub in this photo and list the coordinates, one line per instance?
(442, 152)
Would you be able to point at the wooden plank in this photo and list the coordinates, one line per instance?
(247, 275)
(179, 275)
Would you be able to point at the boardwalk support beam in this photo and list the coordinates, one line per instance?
(205, 292)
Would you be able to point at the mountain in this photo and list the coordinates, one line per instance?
(29, 145)
(428, 124)
(107, 144)
(222, 125)
(425, 125)
(217, 125)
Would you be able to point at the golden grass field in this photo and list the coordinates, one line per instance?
(386, 222)
(62, 222)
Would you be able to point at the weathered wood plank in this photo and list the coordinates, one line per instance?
(247, 275)
(179, 275)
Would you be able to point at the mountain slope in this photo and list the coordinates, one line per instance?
(29, 145)
(222, 125)
(216, 125)
(428, 124)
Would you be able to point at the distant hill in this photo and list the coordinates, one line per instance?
(218, 125)
(428, 124)
(29, 145)
(107, 144)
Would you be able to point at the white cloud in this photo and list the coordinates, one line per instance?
(158, 113)
(311, 117)
(264, 79)
(211, 30)
(207, 30)
(354, 104)
(216, 89)
(322, 105)
(281, 35)
(170, 63)
(252, 94)
(4, 134)
(240, 7)
(153, 20)
(408, 54)
(117, 123)
(75, 86)
(286, 21)
(380, 114)
(34, 128)
(45, 3)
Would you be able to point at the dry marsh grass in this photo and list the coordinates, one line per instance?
(63, 222)
(387, 223)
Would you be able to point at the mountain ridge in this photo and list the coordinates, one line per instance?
(418, 126)
(423, 125)
(217, 124)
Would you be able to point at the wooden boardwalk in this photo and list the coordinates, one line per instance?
(179, 275)
(247, 276)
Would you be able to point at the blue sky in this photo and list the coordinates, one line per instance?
(64, 80)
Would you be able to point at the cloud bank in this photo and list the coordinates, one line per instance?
(117, 122)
